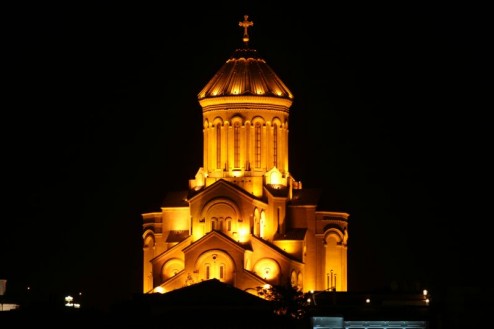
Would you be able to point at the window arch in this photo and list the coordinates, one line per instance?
(220, 214)
(257, 144)
(236, 144)
(217, 223)
(218, 146)
(149, 241)
(300, 283)
(293, 279)
(275, 145)
(256, 219)
(262, 225)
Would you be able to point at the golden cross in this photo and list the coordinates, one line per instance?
(246, 24)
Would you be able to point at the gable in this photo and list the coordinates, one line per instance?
(214, 240)
(222, 188)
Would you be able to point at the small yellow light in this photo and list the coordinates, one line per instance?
(159, 290)
(243, 234)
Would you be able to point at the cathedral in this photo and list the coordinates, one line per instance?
(244, 219)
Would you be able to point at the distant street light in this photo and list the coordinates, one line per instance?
(69, 301)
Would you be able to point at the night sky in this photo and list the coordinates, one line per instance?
(389, 118)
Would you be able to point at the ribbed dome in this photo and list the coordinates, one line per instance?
(245, 77)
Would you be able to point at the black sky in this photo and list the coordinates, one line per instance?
(98, 97)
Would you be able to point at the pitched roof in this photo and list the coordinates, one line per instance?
(205, 296)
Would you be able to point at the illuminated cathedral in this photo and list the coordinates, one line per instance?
(244, 219)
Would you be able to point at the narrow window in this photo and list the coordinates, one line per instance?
(208, 272)
(261, 228)
(275, 145)
(218, 146)
(278, 219)
(258, 145)
(236, 145)
(222, 271)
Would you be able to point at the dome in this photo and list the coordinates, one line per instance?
(245, 78)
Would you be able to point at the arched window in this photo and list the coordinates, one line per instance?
(258, 132)
(262, 225)
(275, 145)
(293, 279)
(236, 145)
(222, 272)
(218, 146)
(256, 218)
(300, 284)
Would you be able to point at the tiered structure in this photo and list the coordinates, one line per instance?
(244, 219)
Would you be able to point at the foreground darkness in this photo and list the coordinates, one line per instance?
(214, 305)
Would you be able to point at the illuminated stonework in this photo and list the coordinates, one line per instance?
(244, 219)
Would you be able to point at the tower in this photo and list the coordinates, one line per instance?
(244, 219)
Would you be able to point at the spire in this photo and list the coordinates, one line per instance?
(246, 24)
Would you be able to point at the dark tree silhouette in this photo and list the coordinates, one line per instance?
(288, 301)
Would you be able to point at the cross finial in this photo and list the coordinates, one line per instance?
(246, 24)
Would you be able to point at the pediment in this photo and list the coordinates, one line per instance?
(214, 240)
(222, 188)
